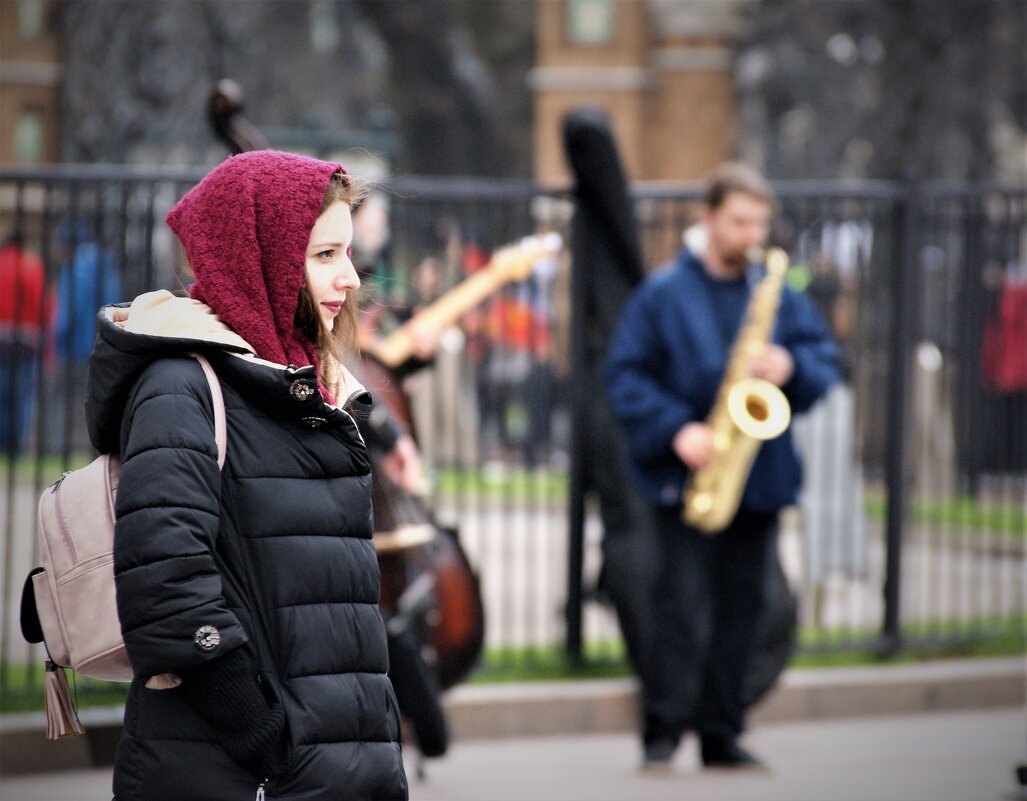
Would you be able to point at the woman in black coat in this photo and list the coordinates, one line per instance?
(248, 595)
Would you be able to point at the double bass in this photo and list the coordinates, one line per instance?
(427, 584)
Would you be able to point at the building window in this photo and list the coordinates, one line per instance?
(590, 22)
(28, 137)
(30, 19)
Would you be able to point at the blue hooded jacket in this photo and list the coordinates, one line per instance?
(666, 362)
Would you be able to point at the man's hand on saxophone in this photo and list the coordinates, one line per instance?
(694, 445)
(773, 364)
(694, 441)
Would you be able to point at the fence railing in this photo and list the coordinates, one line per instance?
(913, 517)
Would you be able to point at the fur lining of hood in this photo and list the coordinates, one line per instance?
(162, 314)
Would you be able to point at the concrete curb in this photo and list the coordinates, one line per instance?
(607, 705)
(611, 705)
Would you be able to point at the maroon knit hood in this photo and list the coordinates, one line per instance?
(245, 228)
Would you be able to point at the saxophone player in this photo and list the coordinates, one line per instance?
(664, 370)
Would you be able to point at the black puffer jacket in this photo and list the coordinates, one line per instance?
(267, 564)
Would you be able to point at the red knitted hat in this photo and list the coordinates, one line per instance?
(245, 228)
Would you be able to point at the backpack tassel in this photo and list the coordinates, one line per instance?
(61, 717)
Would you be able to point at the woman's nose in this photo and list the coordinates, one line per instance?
(348, 278)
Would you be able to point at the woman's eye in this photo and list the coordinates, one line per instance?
(326, 254)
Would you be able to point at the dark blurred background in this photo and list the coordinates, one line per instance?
(802, 88)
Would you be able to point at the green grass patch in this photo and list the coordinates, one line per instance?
(917, 649)
(515, 483)
(24, 689)
(1004, 636)
(602, 660)
(962, 512)
(49, 468)
(996, 635)
(502, 482)
(605, 659)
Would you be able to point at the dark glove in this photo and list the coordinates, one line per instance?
(225, 693)
(377, 425)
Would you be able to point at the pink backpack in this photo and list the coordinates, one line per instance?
(74, 589)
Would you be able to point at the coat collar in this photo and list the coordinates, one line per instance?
(158, 325)
(290, 391)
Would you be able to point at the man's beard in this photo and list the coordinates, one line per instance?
(735, 258)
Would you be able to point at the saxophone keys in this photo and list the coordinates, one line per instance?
(701, 503)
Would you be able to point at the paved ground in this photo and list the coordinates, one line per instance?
(966, 756)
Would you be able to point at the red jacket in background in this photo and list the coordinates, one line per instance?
(1005, 342)
(25, 305)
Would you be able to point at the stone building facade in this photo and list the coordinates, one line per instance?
(661, 70)
(29, 81)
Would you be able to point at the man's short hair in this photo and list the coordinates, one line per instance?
(736, 176)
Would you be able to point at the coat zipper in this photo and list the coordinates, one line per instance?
(261, 796)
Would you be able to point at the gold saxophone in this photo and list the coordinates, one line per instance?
(747, 411)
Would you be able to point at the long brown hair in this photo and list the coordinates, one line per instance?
(332, 345)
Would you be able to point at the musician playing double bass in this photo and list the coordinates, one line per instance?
(396, 460)
(430, 595)
(684, 329)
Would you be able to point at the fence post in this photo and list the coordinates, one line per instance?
(974, 313)
(576, 490)
(903, 284)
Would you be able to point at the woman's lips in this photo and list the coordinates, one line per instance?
(334, 306)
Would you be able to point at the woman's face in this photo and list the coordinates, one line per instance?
(330, 274)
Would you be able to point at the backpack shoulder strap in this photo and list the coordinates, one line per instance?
(220, 424)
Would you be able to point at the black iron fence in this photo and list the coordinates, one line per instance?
(912, 525)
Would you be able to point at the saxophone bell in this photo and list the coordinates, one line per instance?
(758, 408)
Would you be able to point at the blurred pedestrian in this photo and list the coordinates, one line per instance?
(247, 595)
(25, 311)
(663, 370)
(832, 497)
(89, 277)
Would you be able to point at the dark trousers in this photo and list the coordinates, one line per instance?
(709, 595)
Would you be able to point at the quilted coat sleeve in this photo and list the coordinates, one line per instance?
(167, 514)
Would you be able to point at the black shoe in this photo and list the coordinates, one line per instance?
(658, 755)
(728, 754)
